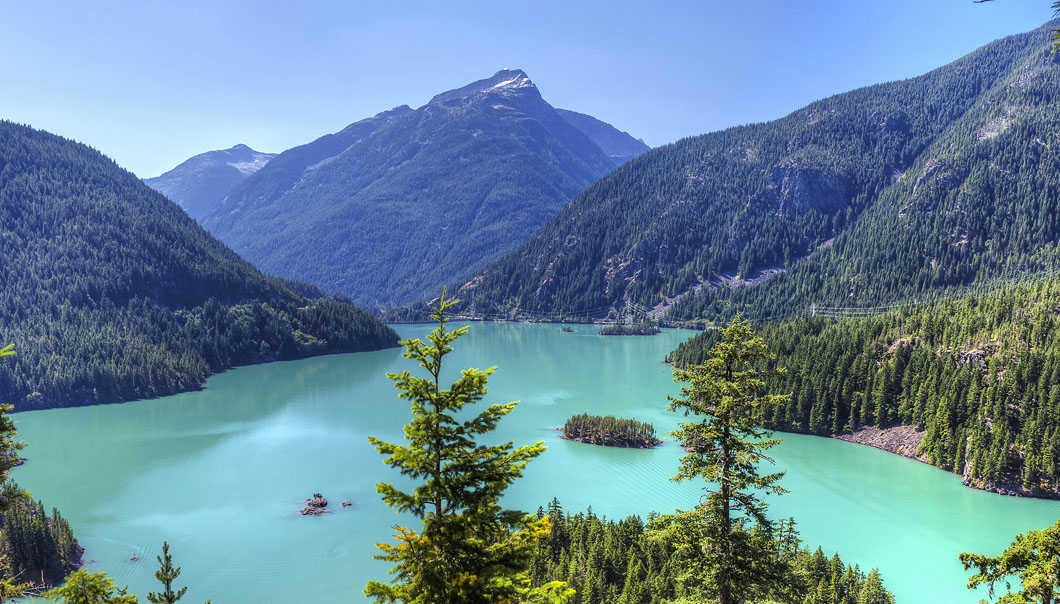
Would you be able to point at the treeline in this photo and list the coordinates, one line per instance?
(610, 431)
(36, 546)
(631, 561)
(110, 292)
(980, 376)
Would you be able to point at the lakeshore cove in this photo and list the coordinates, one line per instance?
(222, 473)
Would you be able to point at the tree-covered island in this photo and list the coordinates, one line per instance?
(610, 431)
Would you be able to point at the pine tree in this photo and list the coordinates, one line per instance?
(9, 448)
(1033, 557)
(9, 587)
(872, 590)
(469, 550)
(724, 448)
(83, 587)
(166, 575)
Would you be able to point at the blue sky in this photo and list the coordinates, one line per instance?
(151, 83)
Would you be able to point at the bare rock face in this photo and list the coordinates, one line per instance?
(889, 123)
(798, 190)
(901, 440)
(315, 506)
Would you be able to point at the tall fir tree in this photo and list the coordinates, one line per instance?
(10, 586)
(470, 550)
(724, 447)
(9, 448)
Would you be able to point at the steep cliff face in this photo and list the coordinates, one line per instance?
(798, 190)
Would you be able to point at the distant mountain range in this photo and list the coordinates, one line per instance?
(111, 292)
(392, 207)
(894, 191)
(200, 182)
(618, 145)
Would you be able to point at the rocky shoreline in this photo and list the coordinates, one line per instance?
(900, 440)
(905, 440)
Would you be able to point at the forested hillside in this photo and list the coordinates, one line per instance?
(979, 375)
(393, 207)
(882, 193)
(110, 292)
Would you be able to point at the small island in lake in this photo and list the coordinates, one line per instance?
(640, 328)
(610, 431)
(315, 506)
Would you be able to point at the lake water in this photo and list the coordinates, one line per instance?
(221, 473)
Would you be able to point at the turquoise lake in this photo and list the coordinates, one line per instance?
(221, 473)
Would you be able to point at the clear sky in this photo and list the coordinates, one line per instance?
(151, 83)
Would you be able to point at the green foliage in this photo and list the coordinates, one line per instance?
(724, 447)
(1056, 32)
(9, 448)
(166, 574)
(111, 292)
(83, 587)
(395, 206)
(896, 190)
(978, 375)
(470, 550)
(610, 431)
(644, 327)
(630, 561)
(1033, 557)
(37, 547)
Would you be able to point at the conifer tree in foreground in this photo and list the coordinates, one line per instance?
(1033, 557)
(724, 447)
(9, 448)
(166, 574)
(10, 588)
(469, 550)
(83, 587)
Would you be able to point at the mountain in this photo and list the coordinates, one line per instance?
(110, 292)
(618, 145)
(392, 207)
(893, 191)
(200, 182)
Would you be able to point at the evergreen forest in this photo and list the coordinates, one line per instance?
(979, 375)
(632, 561)
(112, 293)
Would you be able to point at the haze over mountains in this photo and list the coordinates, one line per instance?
(201, 181)
(111, 292)
(887, 192)
(392, 207)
